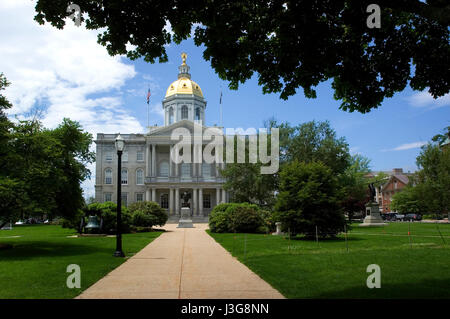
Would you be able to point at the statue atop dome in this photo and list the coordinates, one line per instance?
(183, 58)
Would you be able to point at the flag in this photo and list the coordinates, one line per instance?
(148, 96)
(220, 97)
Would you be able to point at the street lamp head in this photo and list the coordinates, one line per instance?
(120, 143)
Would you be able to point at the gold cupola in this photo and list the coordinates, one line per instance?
(184, 84)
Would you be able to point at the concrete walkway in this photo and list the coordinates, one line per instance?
(182, 263)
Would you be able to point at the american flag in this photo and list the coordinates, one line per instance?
(148, 96)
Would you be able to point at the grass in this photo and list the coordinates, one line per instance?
(301, 268)
(36, 265)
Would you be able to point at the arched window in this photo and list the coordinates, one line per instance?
(140, 177)
(108, 176)
(197, 113)
(164, 201)
(124, 176)
(171, 115)
(186, 170)
(184, 112)
(164, 169)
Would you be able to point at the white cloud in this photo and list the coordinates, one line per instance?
(66, 71)
(424, 99)
(406, 146)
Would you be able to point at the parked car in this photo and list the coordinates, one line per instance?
(412, 217)
(388, 216)
(398, 217)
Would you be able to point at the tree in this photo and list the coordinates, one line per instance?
(289, 44)
(245, 182)
(317, 141)
(308, 199)
(434, 178)
(42, 170)
(354, 186)
(409, 200)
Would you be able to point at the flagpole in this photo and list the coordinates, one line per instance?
(148, 108)
(221, 114)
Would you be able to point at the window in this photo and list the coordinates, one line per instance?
(108, 197)
(140, 177)
(108, 176)
(206, 170)
(197, 113)
(140, 156)
(125, 157)
(124, 176)
(164, 169)
(185, 170)
(139, 197)
(164, 201)
(171, 115)
(184, 112)
(124, 199)
(109, 156)
(206, 200)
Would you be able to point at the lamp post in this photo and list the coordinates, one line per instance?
(120, 143)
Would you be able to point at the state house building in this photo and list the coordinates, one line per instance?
(147, 170)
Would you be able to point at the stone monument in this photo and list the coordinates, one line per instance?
(185, 219)
(278, 231)
(373, 217)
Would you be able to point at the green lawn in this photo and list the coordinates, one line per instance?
(304, 269)
(36, 265)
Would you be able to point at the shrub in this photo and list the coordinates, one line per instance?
(107, 212)
(234, 217)
(148, 214)
(308, 199)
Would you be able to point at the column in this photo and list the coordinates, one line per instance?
(170, 161)
(153, 160)
(171, 210)
(147, 173)
(200, 200)
(217, 196)
(224, 196)
(194, 202)
(154, 194)
(177, 201)
(147, 195)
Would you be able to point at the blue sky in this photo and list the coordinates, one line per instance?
(404, 121)
(66, 73)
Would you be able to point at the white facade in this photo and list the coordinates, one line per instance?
(148, 173)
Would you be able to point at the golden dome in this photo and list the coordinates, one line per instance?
(184, 86)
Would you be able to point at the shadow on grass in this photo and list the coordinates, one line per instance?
(38, 249)
(328, 239)
(430, 288)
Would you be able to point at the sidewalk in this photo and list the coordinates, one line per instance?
(182, 263)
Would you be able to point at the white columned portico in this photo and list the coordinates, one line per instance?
(153, 160)
(177, 201)
(194, 201)
(154, 194)
(147, 195)
(200, 200)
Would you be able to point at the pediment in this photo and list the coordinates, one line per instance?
(191, 126)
